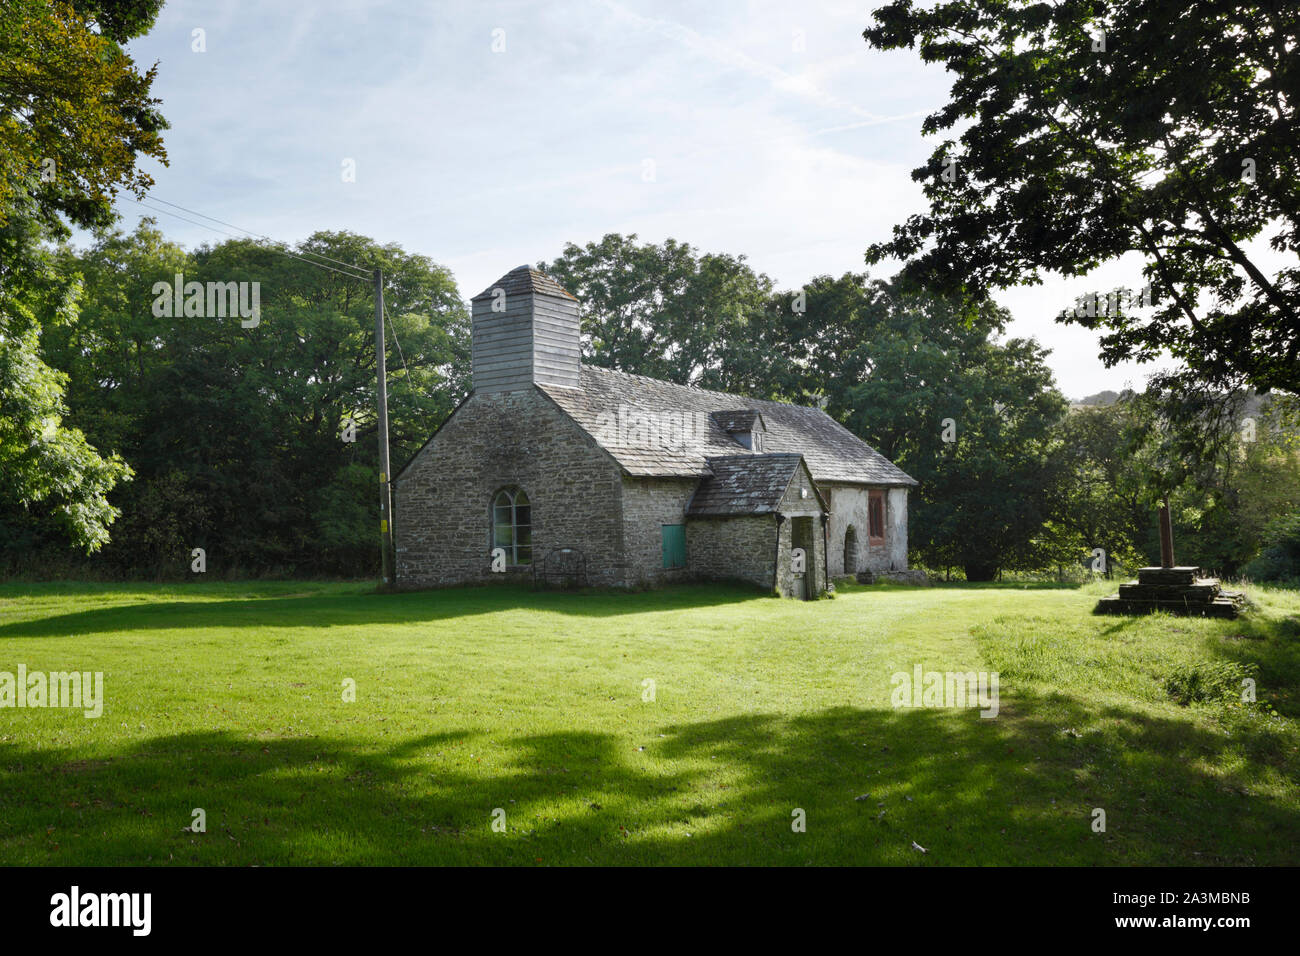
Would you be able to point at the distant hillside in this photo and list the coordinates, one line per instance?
(1101, 398)
(1255, 404)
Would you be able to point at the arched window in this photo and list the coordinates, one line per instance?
(850, 550)
(876, 514)
(512, 525)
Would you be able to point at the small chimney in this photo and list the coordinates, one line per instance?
(526, 331)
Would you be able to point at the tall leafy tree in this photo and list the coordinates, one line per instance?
(75, 115)
(238, 434)
(926, 381)
(43, 460)
(75, 111)
(986, 493)
(1081, 130)
(667, 310)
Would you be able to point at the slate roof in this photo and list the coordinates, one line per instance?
(522, 281)
(744, 485)
(639, 421)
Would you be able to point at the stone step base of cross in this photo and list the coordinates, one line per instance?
(1219, 607)
(1179, 590)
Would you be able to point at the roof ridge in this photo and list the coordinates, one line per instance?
(702, 391)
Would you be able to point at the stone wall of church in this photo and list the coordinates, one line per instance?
(849, 509)
(648, 505)
(443, 499)
(580, 499)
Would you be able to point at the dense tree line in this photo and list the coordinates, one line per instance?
(256, 444)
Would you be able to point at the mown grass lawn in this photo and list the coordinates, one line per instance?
(228, 697)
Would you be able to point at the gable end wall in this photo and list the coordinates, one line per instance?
(795, 505)
(442, 501)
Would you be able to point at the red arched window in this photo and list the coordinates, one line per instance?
(876, 517)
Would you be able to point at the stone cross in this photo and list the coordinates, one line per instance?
(1166, 536)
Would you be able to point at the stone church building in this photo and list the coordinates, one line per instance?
(634, 481)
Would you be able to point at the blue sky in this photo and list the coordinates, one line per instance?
(768, 129)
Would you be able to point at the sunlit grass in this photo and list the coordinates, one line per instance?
(229, 697)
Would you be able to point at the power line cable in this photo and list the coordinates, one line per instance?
(274, 247)
(255, 235)
(391, 325)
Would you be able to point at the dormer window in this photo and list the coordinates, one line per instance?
(745, 427)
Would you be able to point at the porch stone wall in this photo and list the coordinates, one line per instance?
(796, 505)
(732, 549)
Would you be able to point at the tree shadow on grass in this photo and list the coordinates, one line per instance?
(364, 608)
(872, 786)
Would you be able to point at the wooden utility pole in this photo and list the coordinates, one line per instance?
(385, 491)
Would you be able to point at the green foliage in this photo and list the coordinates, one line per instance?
(236, 433)
(1103, 499)
(42, 460)
(164, 518)
(343, 513)
(45, 462)
(75, 115)
(887, 364)
(119, 19)
(1204, 682)
(668, 311)
(1070, 155)
(1226, 487)
(1280, 558)
(1229, 464)
(992, 489)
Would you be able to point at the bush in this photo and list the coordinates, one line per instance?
(1204, 682)
(1280, 558)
